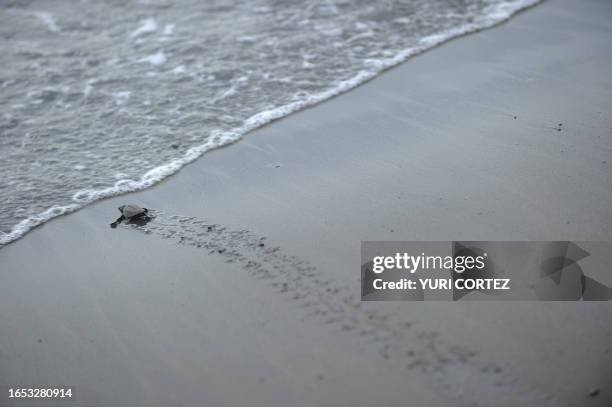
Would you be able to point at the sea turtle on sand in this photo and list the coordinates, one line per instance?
(130, 213)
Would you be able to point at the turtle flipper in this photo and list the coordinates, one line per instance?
(118, 221)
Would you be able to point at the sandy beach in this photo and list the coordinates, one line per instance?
(246, 289)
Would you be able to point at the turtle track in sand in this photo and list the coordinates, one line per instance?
(327, 302)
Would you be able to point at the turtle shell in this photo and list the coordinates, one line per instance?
(129, 211)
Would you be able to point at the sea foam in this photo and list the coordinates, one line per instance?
(266, 87)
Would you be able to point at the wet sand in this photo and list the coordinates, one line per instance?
(245, 290)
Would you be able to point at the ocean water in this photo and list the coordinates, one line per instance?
(104, 97)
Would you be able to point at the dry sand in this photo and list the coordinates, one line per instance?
(461, 142)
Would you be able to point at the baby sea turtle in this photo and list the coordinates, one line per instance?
(131, 212)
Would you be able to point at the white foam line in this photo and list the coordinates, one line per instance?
(25, 225)
(496, 14)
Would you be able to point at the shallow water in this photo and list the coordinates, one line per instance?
(103, 97)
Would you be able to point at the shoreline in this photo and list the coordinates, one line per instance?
(457, 143)
(227, 138)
